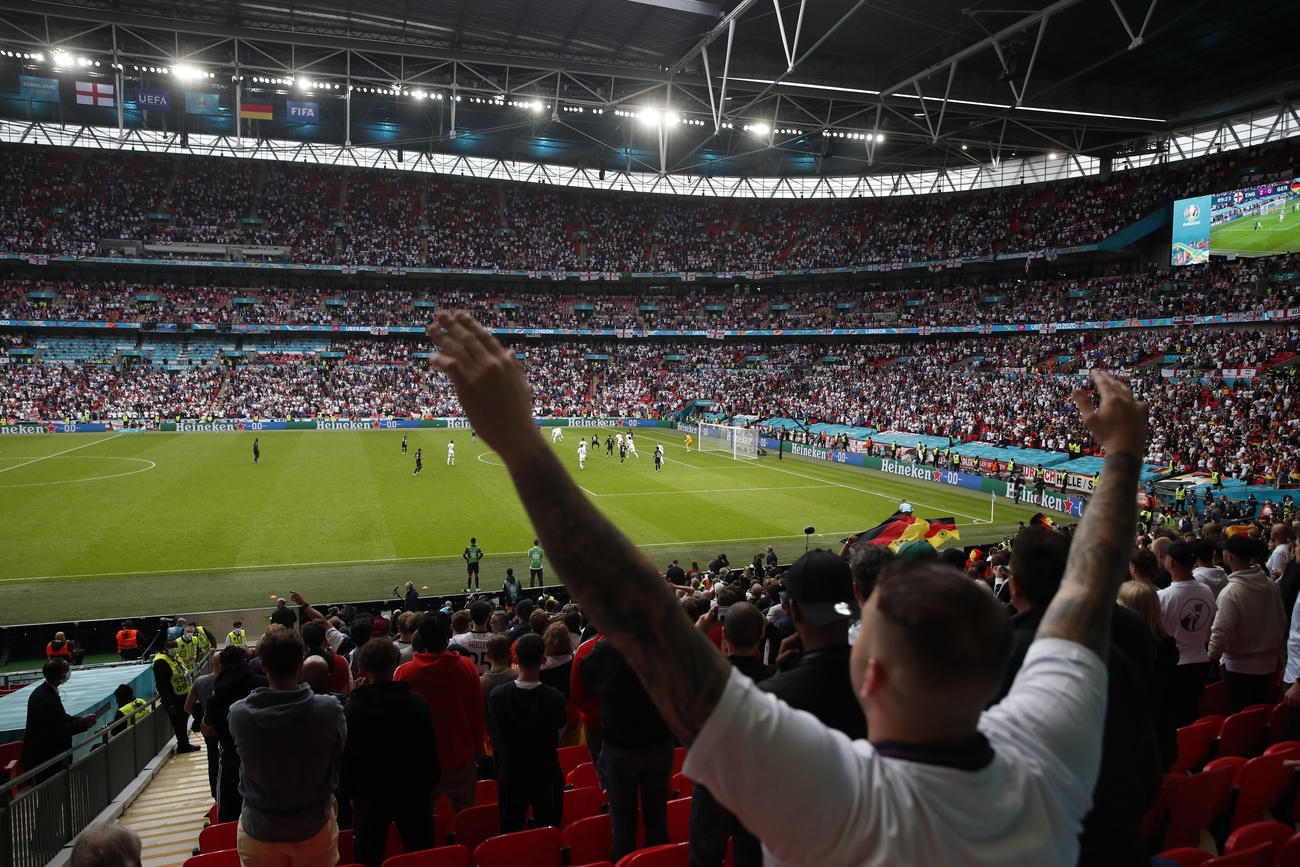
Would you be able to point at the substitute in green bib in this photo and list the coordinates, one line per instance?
(473, 554)
(535, 564)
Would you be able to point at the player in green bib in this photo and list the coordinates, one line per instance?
(473, 554)
(535, 565)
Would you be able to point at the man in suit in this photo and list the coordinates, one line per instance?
(49, 727)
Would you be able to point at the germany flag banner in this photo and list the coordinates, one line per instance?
(899, 529)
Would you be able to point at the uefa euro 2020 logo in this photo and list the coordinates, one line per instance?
(1191, 214)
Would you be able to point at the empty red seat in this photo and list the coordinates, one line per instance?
(485, 792)
(682, 785)
(1186, 856)
(1276, 725)
(538, 847)
(1193, 803)
(1256, 856)
(1242, 733)
(668, 855)
(1194, 745)
(571, 757)
(221, 858)
(679, 820)
(215, 838)
(1250, 836)
(473, 825)
(439, 856)
(583, 775)
(1261, 783)
(581, 804)
(1215, 700)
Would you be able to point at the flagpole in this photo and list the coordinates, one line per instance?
(993, 501)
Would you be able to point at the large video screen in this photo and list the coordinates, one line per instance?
(1254, 221)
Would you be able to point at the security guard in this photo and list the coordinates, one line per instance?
(193, 646)
(173, 685)
(237, 637)
(1180, 500)
(130, 709)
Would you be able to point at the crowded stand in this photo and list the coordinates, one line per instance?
(334, 216)
(1239, 287)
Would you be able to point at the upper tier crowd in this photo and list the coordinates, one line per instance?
(1011, 391)
(64, 202)
(1222, 287)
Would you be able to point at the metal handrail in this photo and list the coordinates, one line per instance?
(46, 807)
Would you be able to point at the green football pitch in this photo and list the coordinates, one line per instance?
(116, 525)
(1274, 236)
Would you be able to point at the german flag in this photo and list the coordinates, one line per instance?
(1041, 520)
(941, 530)
(899, 529)
(255, 111)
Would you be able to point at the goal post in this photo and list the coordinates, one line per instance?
(740, 443)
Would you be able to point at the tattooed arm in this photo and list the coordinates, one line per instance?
(617, 587)
(1081, 610)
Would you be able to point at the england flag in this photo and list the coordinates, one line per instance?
(91, 93)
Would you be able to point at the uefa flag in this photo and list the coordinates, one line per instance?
(94, 93)
(202, 103)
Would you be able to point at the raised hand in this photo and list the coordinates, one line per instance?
(488, 381)
(1119, 423)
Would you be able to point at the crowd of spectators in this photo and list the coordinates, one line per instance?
(385, 218)
(1238, 287)
(1006, 391)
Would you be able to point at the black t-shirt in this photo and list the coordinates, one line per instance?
(820, 684)
(628, 718)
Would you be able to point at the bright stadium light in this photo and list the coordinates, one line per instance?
(650, 117)
(187, 73)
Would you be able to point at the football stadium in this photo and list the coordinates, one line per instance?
(501, 432)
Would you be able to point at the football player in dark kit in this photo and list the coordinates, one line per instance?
(419, 461)
(257, 451)
(403, 443)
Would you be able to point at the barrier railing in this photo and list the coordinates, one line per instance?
(49, 805)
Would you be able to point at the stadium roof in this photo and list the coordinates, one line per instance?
(740, 87)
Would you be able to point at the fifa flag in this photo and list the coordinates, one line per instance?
(38, 89)
(202, 103)
(255, 111)
(94, 93)
(899, 529)
(302, 112)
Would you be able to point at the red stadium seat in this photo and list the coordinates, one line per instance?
(473, 825)
(1276, 725)
(583, 775)
(581, 804)
(538, 847)
(1194, 803)
(215, 838)
(679, 759)
(679, 820)
(1243, 733)
(668, 855)
(1261, 784)
(589, 840)
(1256, 856)
(571, 757)
(220, 858)
(682, 785)
(1249, 836)
(1194, 745)
(1290, 854)
(347, 854)
(439, 856)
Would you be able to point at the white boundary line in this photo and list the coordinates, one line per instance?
(56, 454)
(151, 466)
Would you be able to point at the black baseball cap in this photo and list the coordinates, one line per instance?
(1182, 553)
(821, 584)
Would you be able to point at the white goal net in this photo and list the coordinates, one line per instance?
(739, 442)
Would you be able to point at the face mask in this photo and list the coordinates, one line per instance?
(172, 651)
(189, 636)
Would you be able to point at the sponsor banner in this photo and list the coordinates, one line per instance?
(691, 429)
(159, 100)
(36, 89)
(51, 427)
(931, 474)
(302, 112)
(838, 456)
(202, 103)
(1048, 500)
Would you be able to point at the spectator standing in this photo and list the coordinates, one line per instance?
(235, 682)
(1249, 627)
(636, 754)
(290, 743)
(1187, 610)
(450, 685)
(49, 727)
(283, 615)
(197, 698)
(412, 600)
(380, 715)
(528, 716)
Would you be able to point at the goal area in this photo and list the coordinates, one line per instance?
(740, 443)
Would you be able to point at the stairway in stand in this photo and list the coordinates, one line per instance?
(171, 811)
